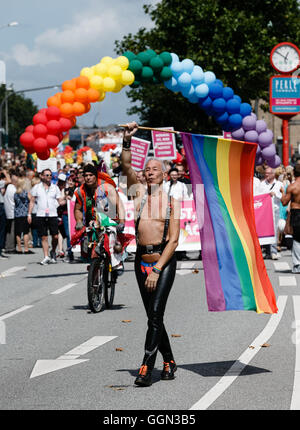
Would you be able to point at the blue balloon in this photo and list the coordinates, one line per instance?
(219, 105)
(202, 90)
(184, 80)
(197, 75)
(172, 84)
(188, 91)
(209, 77)
(235, 121)
(218, 81)
(175, 57)
(228, 93)
(176, 69)
(237, 98)
(205, 103)
(245, 109)
(188, 65)
(233, 106)
(215, 91)
(222, 119)
(193, 98)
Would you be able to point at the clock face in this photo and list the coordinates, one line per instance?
(285, 58)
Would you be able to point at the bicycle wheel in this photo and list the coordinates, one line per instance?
(96, 285)
(110, 282)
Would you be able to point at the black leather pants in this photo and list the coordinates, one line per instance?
(155, 303)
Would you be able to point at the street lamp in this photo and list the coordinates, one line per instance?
(19, 92)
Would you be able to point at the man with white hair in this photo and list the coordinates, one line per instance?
(157, 225)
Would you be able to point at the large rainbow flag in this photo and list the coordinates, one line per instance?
(235, 274)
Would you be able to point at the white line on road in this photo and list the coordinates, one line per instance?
(287, 281)
(281, 265)
(295, 403)
(65, 288)
(243, 360)
(11, 271)
(17, 311)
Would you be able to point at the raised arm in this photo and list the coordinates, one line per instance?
(128, 171)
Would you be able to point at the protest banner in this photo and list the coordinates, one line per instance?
(164, 144)
(264, 220)
(51, 164)
(139, 153)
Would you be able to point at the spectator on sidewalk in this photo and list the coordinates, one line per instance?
(21, 216)
(9, 205)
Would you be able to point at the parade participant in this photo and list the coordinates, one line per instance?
(101, 195)
(157, 233)
(293, 195)
(47, 196)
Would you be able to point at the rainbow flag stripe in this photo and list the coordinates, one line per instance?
(235, 274)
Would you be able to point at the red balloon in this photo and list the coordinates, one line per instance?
(40, 145)
(52, 141)
(40, 130)
(29, 128)
(26, 138)
(39, 118)
(65, 124)
(53, 113)
(43, 111)
(44, 155)
(60, 137)
(53, 126)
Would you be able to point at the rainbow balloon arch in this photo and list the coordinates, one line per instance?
(111, 75)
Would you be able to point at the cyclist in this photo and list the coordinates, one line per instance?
(99, 195)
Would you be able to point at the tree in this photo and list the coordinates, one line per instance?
(231, 38)
(20, 113)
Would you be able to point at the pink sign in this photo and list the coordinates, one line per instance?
(164, 144)
(263, 212)
(139, 153)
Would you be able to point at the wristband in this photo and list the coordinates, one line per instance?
(126, 144)
(156, 270)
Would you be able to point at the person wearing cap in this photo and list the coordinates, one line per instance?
(100, 195)
(47, 196)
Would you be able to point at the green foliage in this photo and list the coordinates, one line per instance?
(231, 38)
(20, 113)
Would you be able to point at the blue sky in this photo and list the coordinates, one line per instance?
(56, 39)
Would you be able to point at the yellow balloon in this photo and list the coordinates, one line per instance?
(127, 77)
(101, 69)
(123, 62)
(96, 82)
(118, 87)
(109, 84)
(87, 71)
(115, 72)
(101, 96)
(106, 60)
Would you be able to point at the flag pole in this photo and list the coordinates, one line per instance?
(151, 128)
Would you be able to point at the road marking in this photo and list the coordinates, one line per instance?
(287, 281)
(243, 360)
(65, 288)
(295, 402)
(281, 265)
(17, 311)
(70, 358)
(11, 271)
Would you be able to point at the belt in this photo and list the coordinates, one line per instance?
(152, 249)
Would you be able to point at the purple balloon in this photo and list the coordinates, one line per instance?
(268, 152)
(265, 138)
(259, 161)
(251, 136)
(248, 123)
(253, 115)
(238, 134)
(261, 126)
(274, 162)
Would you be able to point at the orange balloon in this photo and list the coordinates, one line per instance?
(87, 107)
(69, 85)
(93, 95)
(83, 82)
(54, 101)
(67, 96)
(66, 110)
(73, 120)
(78, 108)
(81, 95)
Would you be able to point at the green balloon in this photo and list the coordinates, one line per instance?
(166, 74)
(144, 57)
(135, 66)
(130, 55)
(156, 64)
(166, 58)
(135, 84)
(147, 74)
(151, 52)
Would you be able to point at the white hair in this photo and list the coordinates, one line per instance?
(163, 167)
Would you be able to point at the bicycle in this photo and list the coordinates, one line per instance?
(101, 278)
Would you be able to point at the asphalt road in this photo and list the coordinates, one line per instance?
(57, 355)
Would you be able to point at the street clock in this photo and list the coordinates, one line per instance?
(285, 57)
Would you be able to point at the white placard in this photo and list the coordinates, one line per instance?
(51, 164)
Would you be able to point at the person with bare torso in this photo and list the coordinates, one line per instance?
(293, 195)
(157, 221)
